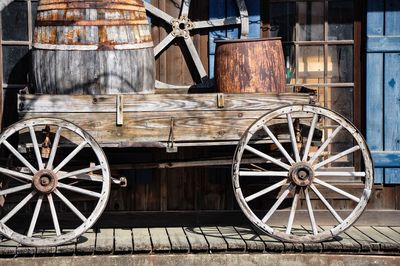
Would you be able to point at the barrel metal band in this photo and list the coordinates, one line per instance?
(89, 5)
(108, 22)
(128, 2)
(65, 47)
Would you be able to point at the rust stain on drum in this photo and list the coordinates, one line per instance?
(253, 65)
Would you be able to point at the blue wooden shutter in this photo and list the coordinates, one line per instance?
(227, 8)
(383, 88)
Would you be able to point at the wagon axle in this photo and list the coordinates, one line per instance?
(45, 181)
(301, 174)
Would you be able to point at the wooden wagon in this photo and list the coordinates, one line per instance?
(57, 155)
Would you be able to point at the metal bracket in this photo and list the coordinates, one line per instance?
(122, 181)
(171, 148)
(120, 110)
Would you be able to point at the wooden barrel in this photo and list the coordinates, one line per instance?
(92, 47)
(250, 65)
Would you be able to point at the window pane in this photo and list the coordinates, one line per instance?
(14, 20)
(311, 21)
(290, 65)
(340, 20)
(283, 20)
(311, 64)
(340, 63)
(15, 64)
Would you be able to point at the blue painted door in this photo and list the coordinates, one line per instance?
(383, 88)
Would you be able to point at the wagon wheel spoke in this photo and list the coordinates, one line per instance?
(267, 157)
(35, 216)
(19, 156)
(158, 12)
(79, 190)
(54, 214)
(337, 190)
(36, 147)
(70, 156)
(265, 191)
(213, 23)
(264, 173)
(278, 144)
(185, 8)
(310, 137)
(326, 203)
(70, 205)
(19, 206)
(77, 173)
(293, 138)
(325, 144)
(15, 189)
(341, 174)
(310, 212)
(277, 203)
(196, 58)
(13, 173)
(54, 147)
(293, 211)
(336, 157)
(163, 44)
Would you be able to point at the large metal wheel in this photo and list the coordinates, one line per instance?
(183, 26)
(312, 154)
(47, 182)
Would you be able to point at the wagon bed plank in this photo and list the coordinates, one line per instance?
(86, 243)
(141, 240)
(332, 244)
(271, 244)
(366, 243)
(232, 238)
(123, 240)
(391, 239)
(46, 250)
(105, 241)
(374, 235)
(67, 248)
(178, 239)
(346, 242)
(8, 247)
(312, 246)
(382, 241)
(252, 240)
(160, 240)
(214, 238)
(196, 239)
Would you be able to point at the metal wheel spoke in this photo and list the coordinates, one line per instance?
(293, 212)
(336, 157)
(293, 138)
(341, 174)
(79, 172)
(278, 144)
(216, 23)
(325, 144)
(54, 214)
(18, 207)
(185, 8)
(36, 147)
(79, 190)
(54, 147)
(277, 204)
(70, 205)
(35, 216)
(326, 203)
(19, 156)
(196, 57)
(266, 190)
(163, 44)
(70, 156)
(311, 212)
(310, 137)
(14, 189)
(158, 12)
(337, 190)
(13, 173)
(264, 173)
(267, 157)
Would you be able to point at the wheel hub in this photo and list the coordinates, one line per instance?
(301, 174)
(45, 181)
(181, 27)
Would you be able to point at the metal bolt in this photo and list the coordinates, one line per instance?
(44, 181)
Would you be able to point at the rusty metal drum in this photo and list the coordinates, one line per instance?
(250, 66)
(92, 47)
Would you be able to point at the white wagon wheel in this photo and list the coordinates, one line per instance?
(47, 180)
(301, 171)
(182, 27)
